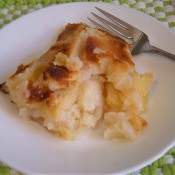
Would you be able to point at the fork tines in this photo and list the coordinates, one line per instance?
(115, 26)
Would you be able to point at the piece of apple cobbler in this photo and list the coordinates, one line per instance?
(86, 76)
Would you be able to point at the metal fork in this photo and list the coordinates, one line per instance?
(139, 40)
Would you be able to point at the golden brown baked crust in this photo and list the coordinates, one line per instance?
(85, 76)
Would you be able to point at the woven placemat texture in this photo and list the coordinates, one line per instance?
(162, 10)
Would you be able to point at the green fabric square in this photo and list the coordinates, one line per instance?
(4, 170)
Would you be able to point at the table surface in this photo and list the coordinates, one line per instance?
(162, 10)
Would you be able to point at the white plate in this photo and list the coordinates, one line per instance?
(29, 148)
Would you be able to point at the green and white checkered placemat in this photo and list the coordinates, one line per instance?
(162, 10)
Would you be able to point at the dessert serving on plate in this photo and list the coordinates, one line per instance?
(87, 76)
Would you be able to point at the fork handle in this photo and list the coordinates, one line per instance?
(152, 49)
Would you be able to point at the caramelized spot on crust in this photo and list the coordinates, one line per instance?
(3, 88)
(64, 48)
(67, 40)
(113, 48)
(21, 68)
(90, 45)
(40, 120)
(69, 30)
(38, 93)
(52, 99)
(58, 73)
